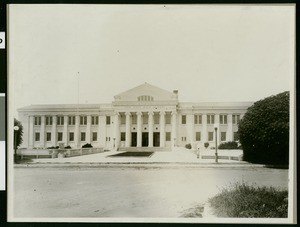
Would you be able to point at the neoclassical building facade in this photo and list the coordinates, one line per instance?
(145, 116)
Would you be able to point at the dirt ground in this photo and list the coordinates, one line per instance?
(126, 192)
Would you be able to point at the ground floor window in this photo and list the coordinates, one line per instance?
(82, 136)
(107, 138)
(198, 136)
(123, 135)
(59, 136)
(210, 136)
(183, 138)
(94, 136)
(168, 136)
(223, 136)
(71, 136)
(48, 136)
(37, 136)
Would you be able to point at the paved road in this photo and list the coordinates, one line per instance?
(126, 192)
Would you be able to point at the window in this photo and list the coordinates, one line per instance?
(94, 136)
(83, 120)
(72, 120)
(123, 135)
(223, 136)
(197, 119)
(223, 119)
(48, 120)
(210, 119)
(210, 136)
(183, 119)
(183, 138)
(60, 120)
(59, 136)
(235, 118)
(133, 119)
(71, 136)
(168, 136)
(168, 119)
(107, 138)
(95, 120)
(198, 136)
(82, 136)
(37, 120)
(48, 136)
(37, 136)
(156, 118)
(108, 120)
(145, 118)
(235, 136)
(123, 119)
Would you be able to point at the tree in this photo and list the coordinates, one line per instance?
(18, 134)
(264, 131)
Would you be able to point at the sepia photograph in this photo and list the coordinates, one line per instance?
(151, 113)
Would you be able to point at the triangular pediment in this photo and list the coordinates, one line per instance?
(146, 92)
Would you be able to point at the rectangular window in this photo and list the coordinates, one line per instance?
(210, 136)
(168, 136)
(198, 119)
(49, 120)
(60, 120)
(72, 120)
(198, 136)
(145, 118)
(37, 136)
(156, 118)
(71, 136)
(235, 118)
(223, 119)
(168, 119)
(223, 136)
(183, 119)
(107, 138)
(48, 136)
(59, 136)
(37, 120)
(235, 136)
(133, 119)
(183, 138)
(82, 136)
(94, 136)
(108, 120)
(210, 119)
(123, 135)
(95, 120)
(83, 120)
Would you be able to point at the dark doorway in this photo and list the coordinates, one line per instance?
(133, 139)
(156, 139)
(145, 140)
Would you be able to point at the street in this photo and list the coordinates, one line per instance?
(126, 192)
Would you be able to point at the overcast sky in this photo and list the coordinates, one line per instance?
(208, 53)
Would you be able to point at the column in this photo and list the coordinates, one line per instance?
(190, 128)
(88, 129)
(42, 132)
(65, 131)
(77, 132)
(174, 129)
(150, 126)
(204, 132)
(102, 131)
(229, 128)
(162, 133)
(31, 136)
(116, 131)
(127, 133)
(139, 129)
(54, 132)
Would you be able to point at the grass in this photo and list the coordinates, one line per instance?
(133, 154)
(241, 200)
(24, 160)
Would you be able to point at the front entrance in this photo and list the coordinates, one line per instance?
(133, 139)
(156, 139)
(145, 139)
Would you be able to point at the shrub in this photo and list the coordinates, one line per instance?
(87, 145)
(264, 131)
(206, 144)
(53, 147)
(188, 146)
(248, 201)
(68, 147)
(229, 145)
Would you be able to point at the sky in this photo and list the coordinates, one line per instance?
(207, 52)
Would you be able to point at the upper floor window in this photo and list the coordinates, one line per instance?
(210, 119)
(183, 119)
(198, 119)
(168, 118)
(108, 120)
(60, 120)
(123, 119)
(223, 119)
(236, 118)
(83, 120)
(145, 98)
(156, 118)
(37, 120)
(49, 120)
(71, 120)
(95, 120)
(133, 119)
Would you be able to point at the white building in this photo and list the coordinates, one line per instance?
(145, 116)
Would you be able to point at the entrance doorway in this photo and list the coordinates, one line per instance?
(145, 139)
(156, 139)
(133, 139)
